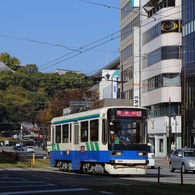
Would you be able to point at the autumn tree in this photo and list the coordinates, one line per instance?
(60, 102)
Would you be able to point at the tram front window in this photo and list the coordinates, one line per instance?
(127, 132)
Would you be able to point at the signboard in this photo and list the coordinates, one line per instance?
(114, 77)
(169, 26)
(135, 3)
(136, 73)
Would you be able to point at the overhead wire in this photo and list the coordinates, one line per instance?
(89, 48)
(111, 38)
(75, 50)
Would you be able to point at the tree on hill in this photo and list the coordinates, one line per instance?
(28, 69)
(11, 62)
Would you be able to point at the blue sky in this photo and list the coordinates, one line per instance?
(73, 24)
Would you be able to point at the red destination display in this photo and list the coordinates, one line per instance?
(129, 113)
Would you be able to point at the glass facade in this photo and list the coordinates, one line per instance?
(128, 30)
(188, 71)
(162, 80)
(166, 26)
(162, 53)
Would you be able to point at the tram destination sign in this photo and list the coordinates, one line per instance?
(129, 113)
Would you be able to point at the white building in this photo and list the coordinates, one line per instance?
(107, 80)
(129, 48)
(62, 72)
(160, 70)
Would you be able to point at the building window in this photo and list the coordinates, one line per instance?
(160, 145)
(162, 4)
(127, 53)
(126, 9)
(128, 30)
(162, 80)
(163, 53)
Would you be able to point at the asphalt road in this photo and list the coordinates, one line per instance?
(51, 180)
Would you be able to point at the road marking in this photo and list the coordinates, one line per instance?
(103, 192)
(1, 182)
(44, 191)
(22, 186)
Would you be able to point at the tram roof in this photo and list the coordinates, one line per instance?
(96, 106)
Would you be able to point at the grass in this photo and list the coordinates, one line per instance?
(6, 161)
(156, 189)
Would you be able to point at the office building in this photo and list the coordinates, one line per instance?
(188, 73)
(129, 51)
(161, 63)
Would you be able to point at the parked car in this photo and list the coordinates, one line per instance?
(30, 149)
(18, 148)
(20, 144)
(182, 158)
(151, 160)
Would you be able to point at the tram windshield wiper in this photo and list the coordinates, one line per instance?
(122, 142)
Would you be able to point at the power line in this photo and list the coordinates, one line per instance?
(107, 6)
(79, 50)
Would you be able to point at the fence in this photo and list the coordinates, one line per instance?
(23, 158)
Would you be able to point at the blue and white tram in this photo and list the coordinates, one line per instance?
(110, 139)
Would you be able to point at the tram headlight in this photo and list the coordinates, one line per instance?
(116, 153)
(141, 154)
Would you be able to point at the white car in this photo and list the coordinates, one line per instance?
(151, 156)
(30, 149)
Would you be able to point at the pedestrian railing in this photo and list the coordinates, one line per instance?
(24, 158)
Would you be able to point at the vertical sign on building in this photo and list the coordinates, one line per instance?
(136, 67)
(115, 87)
(111, 83)
(135, 3)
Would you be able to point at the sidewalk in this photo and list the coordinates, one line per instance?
(161, 161)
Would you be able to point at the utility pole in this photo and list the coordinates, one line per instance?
(169, 125)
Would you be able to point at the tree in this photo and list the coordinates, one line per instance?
(27, 92)
(28, 69)
(14, 102)
(60, 102)
(11, 62)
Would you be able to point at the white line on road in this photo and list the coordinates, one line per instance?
(24, 186)
(44, 191)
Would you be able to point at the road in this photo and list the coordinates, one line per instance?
(51, 180)
(39, 153)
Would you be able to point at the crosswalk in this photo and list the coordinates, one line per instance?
(12, 185)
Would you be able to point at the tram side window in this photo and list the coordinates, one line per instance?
(58, 134)
(65, 133)
(94, 130)
(104, 131)
(142, 133)
(84, 131)
(70, 133)
(52, 135)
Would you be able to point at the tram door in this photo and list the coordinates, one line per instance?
(76, 159)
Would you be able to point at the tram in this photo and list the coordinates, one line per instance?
(110, 138)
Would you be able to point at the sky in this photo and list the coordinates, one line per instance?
(61, 34)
